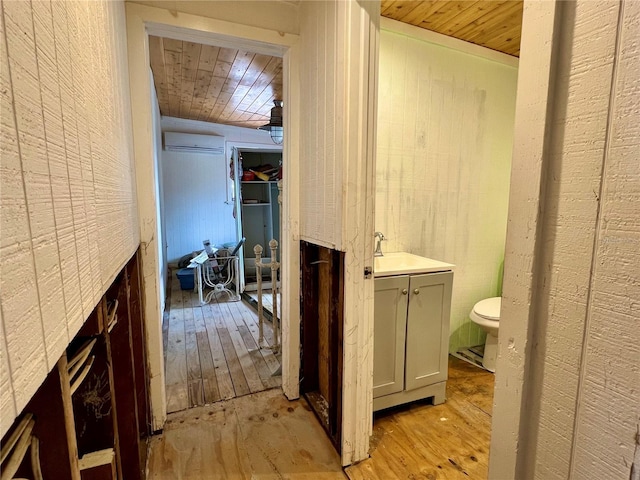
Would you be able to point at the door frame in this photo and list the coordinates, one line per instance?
(236, 149)
(142, 21)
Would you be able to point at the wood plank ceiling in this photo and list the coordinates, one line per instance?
(489, 23)
(214, 84)
(234, 87)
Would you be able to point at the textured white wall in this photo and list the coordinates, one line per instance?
(580, 414)
(445, 133)
(68, 216)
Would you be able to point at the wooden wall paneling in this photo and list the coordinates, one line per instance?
(124, 383)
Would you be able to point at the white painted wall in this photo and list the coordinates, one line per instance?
(575, 362)
(338, 81)
(159, 191)
(445, 133)
(68, 213)
(195, 202)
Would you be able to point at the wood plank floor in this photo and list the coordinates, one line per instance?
(211, 350)
(259, 436)
(264, 436)
(448, 441)
(267, 301)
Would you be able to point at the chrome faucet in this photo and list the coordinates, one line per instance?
(380, 237)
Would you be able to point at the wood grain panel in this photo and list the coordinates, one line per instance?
(214, 84)
(489, 23)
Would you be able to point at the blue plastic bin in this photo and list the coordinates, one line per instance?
(185, 276)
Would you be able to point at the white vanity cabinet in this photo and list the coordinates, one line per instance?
(411, 338)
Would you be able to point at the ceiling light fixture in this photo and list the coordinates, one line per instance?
(274, 127)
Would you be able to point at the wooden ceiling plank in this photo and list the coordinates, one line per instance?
(208, 58)
(508, 42)
(203, 80)
(174, 73)
(397, 7)
(490, 19)
(222, 69)
(255, 69)
(427, 10)
(473, 12)
(227, 54)
(156, 58)
(172, 45)
(444, 14)
(264, 103)
(410, 12)
(230, 109)
(495, 28)
(190, 58)
(215, 87)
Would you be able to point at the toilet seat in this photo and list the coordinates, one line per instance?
(488, 309)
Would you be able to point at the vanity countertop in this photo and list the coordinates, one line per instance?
(403, 263)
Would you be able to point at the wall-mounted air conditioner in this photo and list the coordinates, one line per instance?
(194, 143)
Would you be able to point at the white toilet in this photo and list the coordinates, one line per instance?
(486, 313)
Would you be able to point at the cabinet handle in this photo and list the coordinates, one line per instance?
(416, 291)
(405, 291)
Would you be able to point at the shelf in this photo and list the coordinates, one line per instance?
(260, 181)
(261, 204)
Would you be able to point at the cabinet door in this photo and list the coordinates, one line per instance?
(389, 333)
(428, 329)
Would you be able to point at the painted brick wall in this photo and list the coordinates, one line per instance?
(445, 133)
(68, 212)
